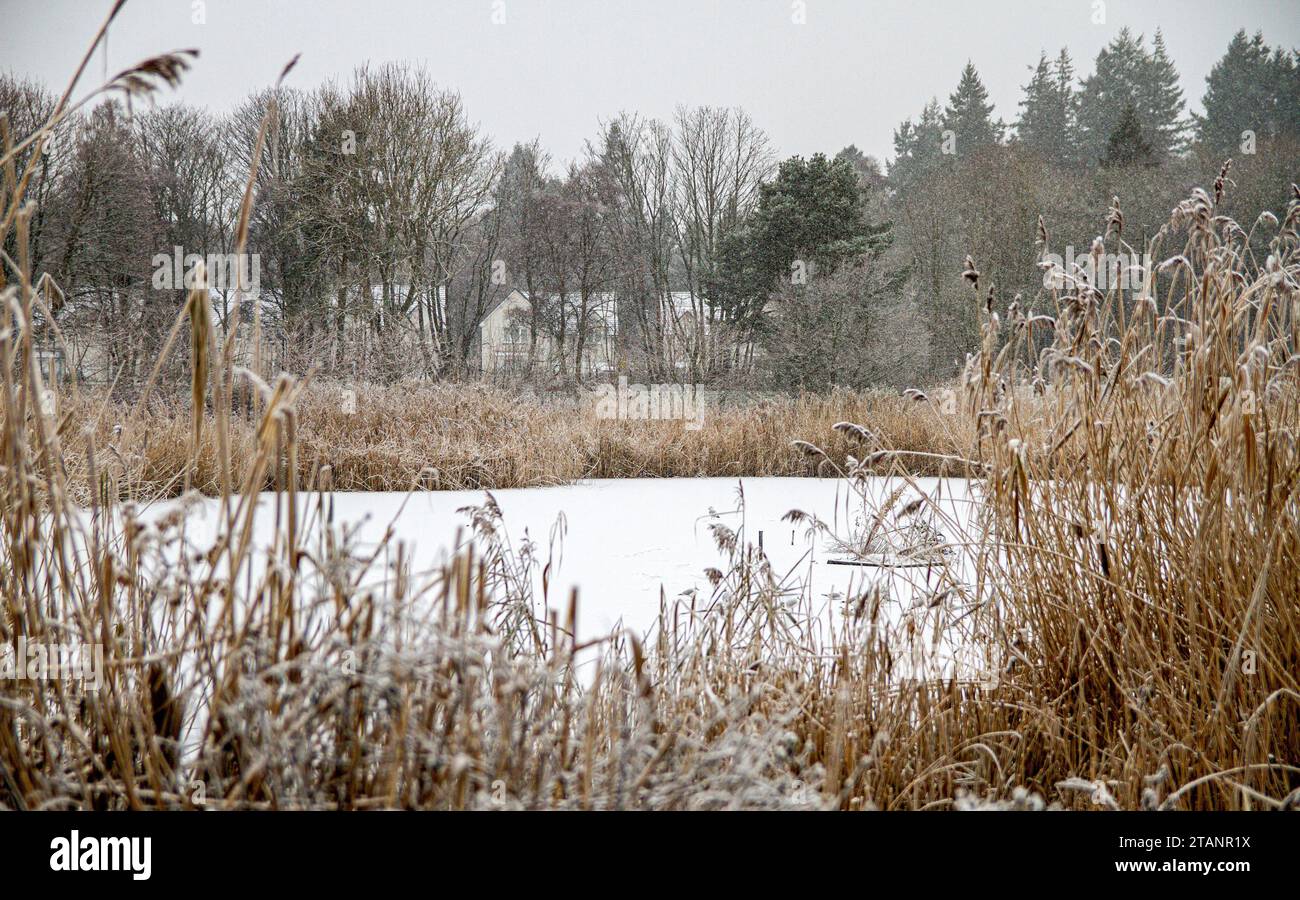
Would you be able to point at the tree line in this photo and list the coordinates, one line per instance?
(387, 225)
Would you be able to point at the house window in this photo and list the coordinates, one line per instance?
(512, 360)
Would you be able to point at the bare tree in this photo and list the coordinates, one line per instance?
(26, 105)
(719, 160)
(521, 206)
(287, 225)
(579, 263)
(414, 178)
(103, 226)
(638, 153)
(192, 187)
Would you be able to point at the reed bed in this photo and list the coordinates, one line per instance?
(456, 436)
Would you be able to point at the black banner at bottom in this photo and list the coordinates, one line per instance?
(179, 851)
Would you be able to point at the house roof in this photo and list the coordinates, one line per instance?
(496, 304)
(605, 311)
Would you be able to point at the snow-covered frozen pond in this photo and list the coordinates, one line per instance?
(633, 546)
(625, 543)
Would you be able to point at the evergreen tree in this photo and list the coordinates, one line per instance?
(969, 113)
(810, 221)
(1287, 72)
(1047, 123)
(1127, 145)
(1034, 127)
(1068, 99)
(918, 147)
(1161, 101)
(1113, 85)
(1127, 74)
(1249, 89)
(812, 212)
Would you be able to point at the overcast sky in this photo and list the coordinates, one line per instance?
(849, 74)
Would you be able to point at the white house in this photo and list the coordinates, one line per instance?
(505, 331)
(504, 335)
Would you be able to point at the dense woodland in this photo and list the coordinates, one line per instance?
(387, 225)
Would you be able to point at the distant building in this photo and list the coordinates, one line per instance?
(505, 333)
(503, 336)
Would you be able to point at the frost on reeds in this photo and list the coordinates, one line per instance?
(457, 436)
(1139, 542)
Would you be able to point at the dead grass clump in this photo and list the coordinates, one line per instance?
(457, 436)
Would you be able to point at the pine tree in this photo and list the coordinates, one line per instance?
(811, 211)
(1068, 100)
(1115, 83)
(1287, 103)
(1047, 123)
(1127, 145)
(918, 147)
(1034, 127)
(969, 113)
(1249, 89)
(1161, 103)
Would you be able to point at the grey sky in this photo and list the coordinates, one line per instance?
(850, 74)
